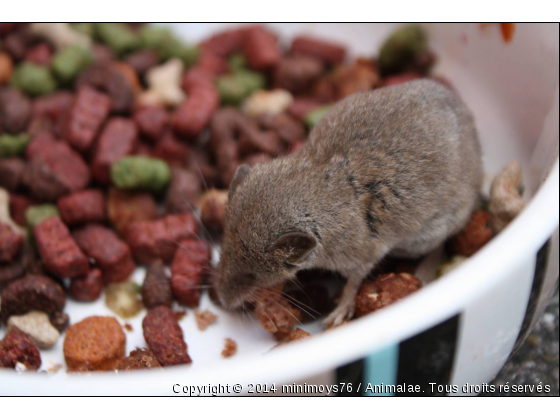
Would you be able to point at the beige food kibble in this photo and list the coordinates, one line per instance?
(5, 213)
(37, 327)
(61, 35)
(505, 197)
(450, 265)
(164, 85)
(270, 102)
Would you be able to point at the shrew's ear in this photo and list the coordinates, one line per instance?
(240, 174)
(294, 247)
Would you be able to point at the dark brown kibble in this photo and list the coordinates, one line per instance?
(11, 243)
(32, 292)
(15, 110)
(11, 173)
(16, 348)
(275, 313)
(165, 337)
(87, 288)
(156, 289)
(328, 52)
(60, 321)
(183, 191)
(296, 74)
(142, 61)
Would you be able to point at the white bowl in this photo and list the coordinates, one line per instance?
(458, 330)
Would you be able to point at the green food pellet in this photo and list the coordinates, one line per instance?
(84, 27)
(70, 61)
(153, 37)
(237, 62)
(168, 46)
(33, 79)
(311, 119)
(233, 88)
(118, 36)
(188, 54)
(13, 144)
(401, 47)
(37, 214)
(140, 172)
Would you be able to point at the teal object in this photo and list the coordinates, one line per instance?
(381, 369)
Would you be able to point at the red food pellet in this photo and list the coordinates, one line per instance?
(87, 114)
(158, 239)
(54, 169)
(11, 243)
(87, 288)
(195, 113)
(111, 254)
(151, 121)
(328, 52)
(39, 54)
(54, 105)
(188, 271)
(224, 43)
(18, 206)
(173, 151)
(261, 49)
(118, 139)
(82, 207)
(60, 254)
(164, 336)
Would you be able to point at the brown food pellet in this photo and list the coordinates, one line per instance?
(40, 54)
(261, 49)
(183, 191)
(82, 207)
(54, 169)
(59, 252)
(118, 139)
(156, 289)
(297, 73)
(142, 61)
(275, 313)
(109, 252)
(474, 235)
(126, 207)
(11, 243)
(328, 52)
(384, 290)
(128, 327)
(15, 110)
(188, 271)
(31, 292)
(87, 288)
(212, 210)
(152, 121)
(6, 68)
(96, 343)
(171, 150)
(87, 114)
(165, 337)
(60, 321)
(204, 319)
(296, 334)
(15, 348)
(139, 359)
(230, 348)
(11, 173)
(158, 239)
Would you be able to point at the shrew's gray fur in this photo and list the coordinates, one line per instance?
(396, 170)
